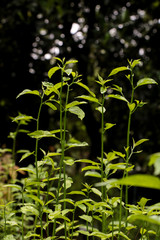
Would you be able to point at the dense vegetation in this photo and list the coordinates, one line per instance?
(47, 203)
(59, 159)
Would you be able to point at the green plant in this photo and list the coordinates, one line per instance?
(44, 204)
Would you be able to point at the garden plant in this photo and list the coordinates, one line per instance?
(44, 203)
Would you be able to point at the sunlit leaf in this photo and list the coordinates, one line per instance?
(140, 142)
(52, 71)
(141, 180)
(74, 103)
(89, 98)
(30, 210)
(100, 109)
(96, 191)
(153, 158)
(27, 154)
(87, 161)
(71, 61)
(145, 81)
(68, 71)
(117, 96)
(77, 111)
(108, 126)
(22, 117)
(35, 198)
(13, 186)
(76, 193)
(86, 218)
(117, 70)
(49, 104)
(9, 237)
(131, 106)
(90, 168)
(144, 218)
(28, 91)
(40, 134)
(93, 174)
(86, 88)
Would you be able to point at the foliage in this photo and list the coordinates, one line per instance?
(44, 204)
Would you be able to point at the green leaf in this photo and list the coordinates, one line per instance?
(87, 161)
(27, 154)
(68, 71)
(117, 70)
(131, 106)
(99, 235)
(76, 193)
(144, 218)
(13, 186)
(96, 191)
(86, 218)
(119, 154)
(117, 96)
(28, 91)
(108, 126)
(145, 81)
(141, 180)
(29, 210)
(50, 88)
(90, 168)
(74, 103)
(77, 111)
(93, 174)
(86, 88)
(26, 169)
(83, 232)
(75, 143)
(139, 142)
(52, 71)
(9, 237)
(69, 162)
(134, 63)
(100, 109)
(71, 61)
(82, 207)
(40, 134)
(22, 117)
(142, 202)
(31, 234)
(35, 198)
(49, 104)
(153, 158)
(89, 98)
(103, 89)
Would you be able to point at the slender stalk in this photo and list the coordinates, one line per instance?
(102, 171)
(62, 148)
(73, 221)
(36, 165)
(22, 214)
(5, 229)
(128, 144)
(127, 161)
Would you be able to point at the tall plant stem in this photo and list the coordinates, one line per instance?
(22, 214)
(36, 165)
(63, 149)
(128, 144)
(102, 153)
(127, 161)
(63, 121)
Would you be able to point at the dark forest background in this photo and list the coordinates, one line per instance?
(101, 35)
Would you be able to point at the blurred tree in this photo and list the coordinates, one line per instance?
(101, 35)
